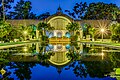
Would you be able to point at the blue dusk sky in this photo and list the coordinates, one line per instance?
(42, 6)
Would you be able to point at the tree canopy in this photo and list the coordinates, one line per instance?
(115, 30)
(22, 10)
(7, 6)
(95, 11)
(78, 10)
(81, 10)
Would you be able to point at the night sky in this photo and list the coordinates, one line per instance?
(42, 6)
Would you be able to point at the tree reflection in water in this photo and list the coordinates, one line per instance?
(22, 69)
(92, 68)
(43, 55)
(77, 64)
(78, 67)
(7, 73)
(115, 58)
(43, 58)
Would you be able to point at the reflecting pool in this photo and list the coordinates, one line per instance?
(60, 61)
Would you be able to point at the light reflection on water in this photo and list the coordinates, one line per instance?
(53, 61)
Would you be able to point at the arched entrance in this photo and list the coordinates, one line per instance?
(59, 34)
(59, 23)
(67, 34)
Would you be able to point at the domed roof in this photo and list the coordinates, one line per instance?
(59, 10)
(59, 13)
(63, 15)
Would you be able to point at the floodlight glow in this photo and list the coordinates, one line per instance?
(102, 30)
(25, 32)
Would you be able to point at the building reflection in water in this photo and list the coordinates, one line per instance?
(89, 56)
(60, 50)
(60, 60)
(60, 57)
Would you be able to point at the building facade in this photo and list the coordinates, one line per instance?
(59, 21)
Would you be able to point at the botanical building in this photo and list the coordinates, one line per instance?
(59, 21)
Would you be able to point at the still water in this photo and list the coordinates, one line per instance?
(74, 61)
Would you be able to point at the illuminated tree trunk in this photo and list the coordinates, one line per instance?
(3, 7)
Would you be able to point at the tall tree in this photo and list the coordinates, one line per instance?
(43, 16)
(5, 29)
(42, 27)
(22, 10)
(4, 6)
(22, 70)
(78, 10)
(32, 16)
(115, 30)
(26, 31)
(72, 27)
(94, 11)
(92, 32)
(101, 10)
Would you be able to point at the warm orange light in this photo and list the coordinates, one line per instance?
(102, 30)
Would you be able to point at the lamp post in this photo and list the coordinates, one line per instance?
(3, 7)
(25, 34)
(102, 30)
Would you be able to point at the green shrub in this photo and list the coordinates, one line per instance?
(45, 38)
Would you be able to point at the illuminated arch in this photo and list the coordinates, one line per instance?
(57, 17)
(61, 55)
(59, 22)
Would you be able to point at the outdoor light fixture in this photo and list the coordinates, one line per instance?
(25, 49)
(102, 30)
(25, 32)
(102, 54)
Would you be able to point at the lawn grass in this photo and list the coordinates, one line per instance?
(12, 43)
(107, 43)
(117, 71)
(95, 42)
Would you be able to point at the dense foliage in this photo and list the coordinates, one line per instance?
(7, 6)
(115, 30)
(82, 10)
(94, 11)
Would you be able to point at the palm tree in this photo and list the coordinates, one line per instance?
(50, 27)
(115, 30)
(72, 27)
(42, 27)
(5, 29)
(86, 29)
(25, 31)
(92, 32)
